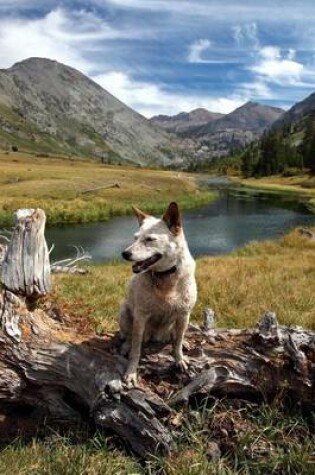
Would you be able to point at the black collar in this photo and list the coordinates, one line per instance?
(164, 273)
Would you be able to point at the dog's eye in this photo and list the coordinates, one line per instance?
(150, 239)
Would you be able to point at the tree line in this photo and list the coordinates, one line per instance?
(281, 149)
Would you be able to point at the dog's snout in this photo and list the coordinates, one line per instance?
(126, 255)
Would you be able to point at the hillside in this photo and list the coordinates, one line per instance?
(290, 143)
(46, 106)
(294, 119)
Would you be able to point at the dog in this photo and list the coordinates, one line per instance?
(162, 291)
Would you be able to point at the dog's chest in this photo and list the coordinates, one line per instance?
(168, 298)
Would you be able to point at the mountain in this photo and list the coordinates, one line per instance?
(47, 107)
(219, 136)
(185, 123)
(249, 117)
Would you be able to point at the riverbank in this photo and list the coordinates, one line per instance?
(302, 186)
(77, 191)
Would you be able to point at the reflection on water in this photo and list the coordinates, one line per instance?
(219, 227)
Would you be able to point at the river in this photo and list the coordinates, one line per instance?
(226, 224)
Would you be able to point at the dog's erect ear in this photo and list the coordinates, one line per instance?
(172, 218)
(140, 214)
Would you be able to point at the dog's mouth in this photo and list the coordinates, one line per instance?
(142, 266)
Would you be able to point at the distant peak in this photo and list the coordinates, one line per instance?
(199, 109)
(34, 60)
(36, 63)
(251, 104)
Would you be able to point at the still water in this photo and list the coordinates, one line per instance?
(234, 219)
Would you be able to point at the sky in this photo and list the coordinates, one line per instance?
(168, 56)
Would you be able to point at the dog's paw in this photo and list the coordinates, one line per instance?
(131, 379)
(182, 364)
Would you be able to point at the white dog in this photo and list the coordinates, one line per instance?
(163, 290)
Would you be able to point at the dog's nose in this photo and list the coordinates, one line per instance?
(126, 255)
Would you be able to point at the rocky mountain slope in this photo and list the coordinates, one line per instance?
(185, 123)
(221, 135)
(294, 119)
(46, 106)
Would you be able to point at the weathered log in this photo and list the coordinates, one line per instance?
(47, 365)
(79, 380)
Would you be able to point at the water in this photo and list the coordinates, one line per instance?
(233, 220)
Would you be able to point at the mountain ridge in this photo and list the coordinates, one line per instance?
(220, 136)
(184, 122)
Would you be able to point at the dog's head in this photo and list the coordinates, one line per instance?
(157, 241)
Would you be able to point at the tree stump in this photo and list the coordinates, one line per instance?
(47, 366)
(25, 268)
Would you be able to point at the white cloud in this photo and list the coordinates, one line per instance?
(273, 66)
(196, 49)
(61, 35)
(150, 99)
(215, 10)
(257, 89)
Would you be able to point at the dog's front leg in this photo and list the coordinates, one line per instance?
(180, 329)
(135, 351)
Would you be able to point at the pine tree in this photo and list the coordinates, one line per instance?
(271, 159)
(308, 145)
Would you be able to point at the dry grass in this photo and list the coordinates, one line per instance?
(273, 275)
(302, 184)
(61, 188)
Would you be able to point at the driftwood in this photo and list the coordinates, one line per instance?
(46, 365)
(102, 187)
(70, 265)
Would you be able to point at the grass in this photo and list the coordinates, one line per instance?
(253, 440)
(61, 187)
(60, 455)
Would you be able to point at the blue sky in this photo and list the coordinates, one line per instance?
(167, 56)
